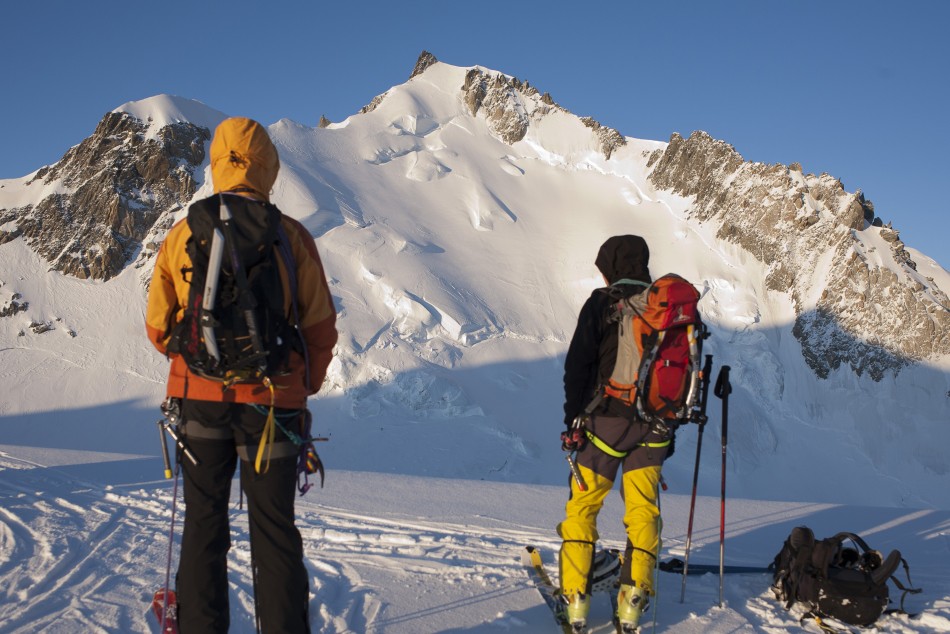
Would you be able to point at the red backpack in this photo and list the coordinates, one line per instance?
(659, 352)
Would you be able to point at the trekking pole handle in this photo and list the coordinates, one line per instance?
(723, 390)
(699, 416)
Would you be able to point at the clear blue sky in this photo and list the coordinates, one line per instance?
(855, 88)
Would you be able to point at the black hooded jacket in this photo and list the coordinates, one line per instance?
(593, 350)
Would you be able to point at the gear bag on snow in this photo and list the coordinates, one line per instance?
(839, 577)
(659, 350)
(235, 327)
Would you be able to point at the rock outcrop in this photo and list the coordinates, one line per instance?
(98, 203)
(873, 317)
(511, 105)
(425, 60)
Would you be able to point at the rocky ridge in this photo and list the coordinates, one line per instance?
(96, 206)
(510, 105)
(873, 318)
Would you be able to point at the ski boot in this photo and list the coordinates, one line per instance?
(632, 602)
(576, 611)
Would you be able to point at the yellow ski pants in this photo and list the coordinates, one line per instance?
(641, 468)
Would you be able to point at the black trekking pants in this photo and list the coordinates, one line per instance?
(218, 433)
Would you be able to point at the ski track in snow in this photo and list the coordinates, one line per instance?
(76, 558)
(80, 557)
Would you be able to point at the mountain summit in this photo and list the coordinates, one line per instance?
(89, 214)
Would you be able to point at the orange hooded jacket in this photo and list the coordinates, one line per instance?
(244, 160)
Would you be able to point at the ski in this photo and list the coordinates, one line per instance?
(531, 558)
(676, 566)
(166, 611)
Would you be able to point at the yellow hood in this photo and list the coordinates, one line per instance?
(243, 157)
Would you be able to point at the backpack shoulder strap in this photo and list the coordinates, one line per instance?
(625, 304)
(886, 569)
(290, 265)
(627, 280)
(287, 256)
(887, 566)
(905, 590)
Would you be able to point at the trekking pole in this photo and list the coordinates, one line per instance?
(659, 547)
(171, 410)
(700, 419)
(171, 542)
(723, 388)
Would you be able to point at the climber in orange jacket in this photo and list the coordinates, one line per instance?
(222, 422)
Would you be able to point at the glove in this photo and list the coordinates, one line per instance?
(573, 439)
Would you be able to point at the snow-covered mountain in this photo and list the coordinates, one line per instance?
(459, 214)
